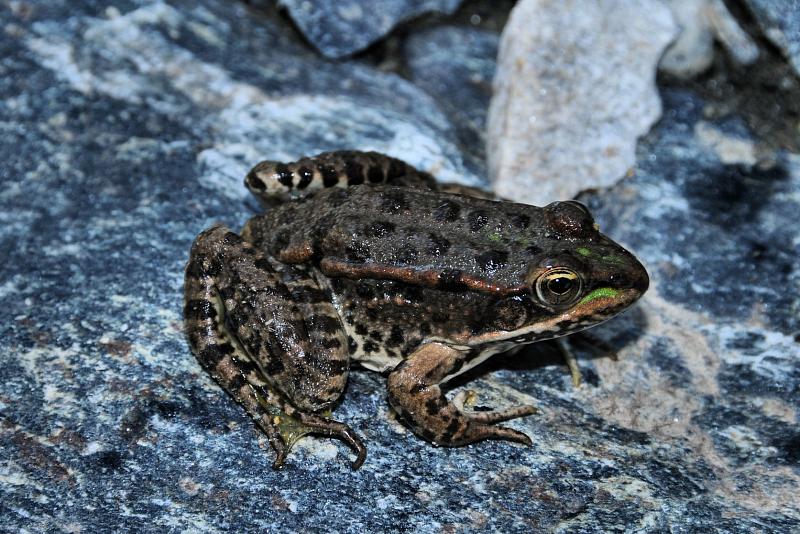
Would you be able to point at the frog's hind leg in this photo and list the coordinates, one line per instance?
(273, 181)
(221, 308)
(415, 394)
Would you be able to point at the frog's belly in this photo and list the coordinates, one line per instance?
(374, 359)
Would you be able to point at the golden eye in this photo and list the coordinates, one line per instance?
(558, 287)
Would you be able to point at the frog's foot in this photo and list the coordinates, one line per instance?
(572, 362)
(594, 344)
(470, 398)
(415, 395)
(285, 426)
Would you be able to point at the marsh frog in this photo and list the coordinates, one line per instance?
(362, 258)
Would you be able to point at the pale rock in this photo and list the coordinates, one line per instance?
(574, 89)
(702, 22)
(780, 22)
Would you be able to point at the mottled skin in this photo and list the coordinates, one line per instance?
(363, 258)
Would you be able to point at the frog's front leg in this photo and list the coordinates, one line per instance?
(267, 334)
(415, 394)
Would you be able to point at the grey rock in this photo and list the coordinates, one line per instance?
(574, 89)
(780, 22)
(702, 23)
(125, 132)
(341, 28)
(464, 61)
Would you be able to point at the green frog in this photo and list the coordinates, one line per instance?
(363, 258)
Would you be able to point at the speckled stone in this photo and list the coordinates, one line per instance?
(464, 60)
(573, 91)
(125, 131)
(341, 28)
(780, 22)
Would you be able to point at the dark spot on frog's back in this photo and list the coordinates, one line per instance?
(477, 219)
(354, 172)
(285, 175)
(533, 250)
(491, 260)
(379, 229)
(394, 202)
(231, 239)
(451, 280)
(520, 220)
(407, 255)
(329, 175)
(358, 252)
(439, 244)
(375, 174)
(396, 337)
(446, 211)
(254, 183)
(396, 169)
(364, 290)
(306, 175)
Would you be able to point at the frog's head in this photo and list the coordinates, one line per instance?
(580, 279)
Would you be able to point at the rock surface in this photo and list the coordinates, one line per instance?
(574, 89)
(780, 22)
(125, 131)
(467, 57)
(341, 28)
(701, 23)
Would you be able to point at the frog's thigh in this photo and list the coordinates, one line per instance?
(415, 395)
(279, 324)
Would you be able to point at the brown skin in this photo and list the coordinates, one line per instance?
(409, 279)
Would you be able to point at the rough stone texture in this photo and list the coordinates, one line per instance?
(574, 89)
(780, 22)
(124, 132)
(701, 23)
(457, 54)
(341, 28)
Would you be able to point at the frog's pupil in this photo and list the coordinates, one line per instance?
(559, 285)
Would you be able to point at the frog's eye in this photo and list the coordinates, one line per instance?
(579, 205)
(558, 286)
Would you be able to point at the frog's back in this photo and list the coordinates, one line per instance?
(424, 237)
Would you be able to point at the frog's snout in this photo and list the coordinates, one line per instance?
(642, 281)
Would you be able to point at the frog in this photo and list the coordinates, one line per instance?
(360, 258)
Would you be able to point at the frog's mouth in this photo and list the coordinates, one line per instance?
(597, 306)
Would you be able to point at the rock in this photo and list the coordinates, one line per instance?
(780, 22)
(125, 131)
(464, 60)
(701, 23)
(574, 89)
(339, 29)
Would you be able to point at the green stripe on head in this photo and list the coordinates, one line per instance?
(601, 292)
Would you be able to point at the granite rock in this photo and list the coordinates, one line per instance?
(339, 29)
(464, 60)
(125, 131)
(780, 22)
(702, 23)
(574, 89)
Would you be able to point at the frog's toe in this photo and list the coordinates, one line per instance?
(497, 416)
(335, 429)
(297, 425)
(482, 431)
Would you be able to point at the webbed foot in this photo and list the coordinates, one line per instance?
(285, 426)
